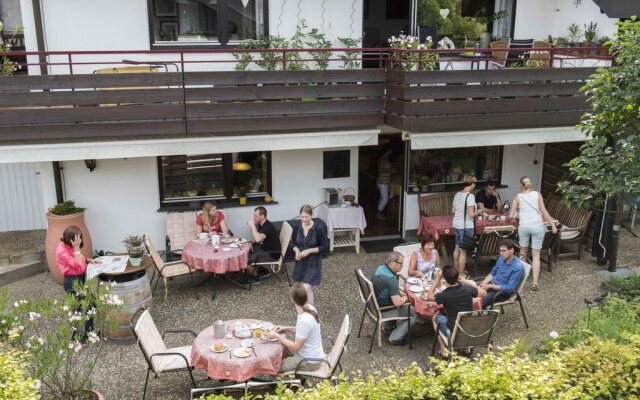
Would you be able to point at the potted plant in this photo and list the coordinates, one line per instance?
(51, 335)
(242, 197)
(60, 217)
(604, 43)
(136, 249)
(424, 183)
(589, 34)
(574, 34)
(487, 18)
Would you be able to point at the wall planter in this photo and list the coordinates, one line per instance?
(56, 224)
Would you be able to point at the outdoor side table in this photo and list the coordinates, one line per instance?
(344, 225)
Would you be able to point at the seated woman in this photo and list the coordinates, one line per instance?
(308, 340)
(426, 259)
(211, 220)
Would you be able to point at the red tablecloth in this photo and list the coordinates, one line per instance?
(267, 359)
(431, 308)
(442, 225)
(203, 257)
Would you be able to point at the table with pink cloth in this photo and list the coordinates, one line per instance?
(204, 257)
(266, 361)
(431, 308)
(442, 225)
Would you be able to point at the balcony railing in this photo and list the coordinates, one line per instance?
(71, 106)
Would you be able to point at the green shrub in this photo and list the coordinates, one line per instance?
(66, 208)
(15, 382)
(628, 286)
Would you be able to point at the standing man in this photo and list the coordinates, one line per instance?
(488, 199)
(388, 293)
(505, 276)
(384, 180)
(265, 244)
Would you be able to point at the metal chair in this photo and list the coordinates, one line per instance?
(167, 270)
(374, 311)
(517, 296)
(472, 329)
(279, 262)
(407, 250)
(159, 358)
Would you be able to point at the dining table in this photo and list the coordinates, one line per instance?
(233, 362)
(442, 225)
(228, 257)
(428, 308)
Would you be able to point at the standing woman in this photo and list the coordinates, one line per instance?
(463, 226)
(426, 259)
(309, 243)
(531, 228)
(211, 220)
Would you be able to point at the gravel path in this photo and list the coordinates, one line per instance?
(120, 371)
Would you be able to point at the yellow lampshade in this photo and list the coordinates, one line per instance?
(241, 166)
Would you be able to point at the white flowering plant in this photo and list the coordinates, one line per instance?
(60, 354)
(408, 54)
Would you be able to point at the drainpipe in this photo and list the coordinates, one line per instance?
(57, 178)
(37, 18)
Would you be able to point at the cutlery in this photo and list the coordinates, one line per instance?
(254, 352)
(230, 353)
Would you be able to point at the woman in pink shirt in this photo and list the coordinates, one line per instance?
(71, 262)
(211, 220)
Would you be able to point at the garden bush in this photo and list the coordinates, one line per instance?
(15, 382)
(628, 287)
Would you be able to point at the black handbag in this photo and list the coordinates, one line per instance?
(468, 243)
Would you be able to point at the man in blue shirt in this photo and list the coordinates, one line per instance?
(505, 277)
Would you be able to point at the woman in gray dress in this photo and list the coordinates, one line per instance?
(310, 242)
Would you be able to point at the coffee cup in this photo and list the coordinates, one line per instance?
(202, 236)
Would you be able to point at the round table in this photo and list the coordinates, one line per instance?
(430, 308)
(221, 366)
(226, 259)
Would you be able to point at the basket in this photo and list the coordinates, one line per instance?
(349, 194)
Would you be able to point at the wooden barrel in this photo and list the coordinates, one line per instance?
(135, 294)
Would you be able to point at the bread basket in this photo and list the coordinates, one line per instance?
(349, 194)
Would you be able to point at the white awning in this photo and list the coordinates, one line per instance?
(503, 137)
(166, 147)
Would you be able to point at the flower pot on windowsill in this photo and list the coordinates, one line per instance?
(242, 199)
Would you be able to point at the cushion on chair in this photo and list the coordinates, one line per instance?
(175, 268)
(150, 339)
(567, 233)
(322, 372)
(168, 363)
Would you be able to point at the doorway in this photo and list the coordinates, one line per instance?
(389, 221)
(382, 19)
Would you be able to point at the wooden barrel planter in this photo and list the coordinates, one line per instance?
(135, 294)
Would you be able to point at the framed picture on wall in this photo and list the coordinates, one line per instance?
(169, 30)
(165, 8)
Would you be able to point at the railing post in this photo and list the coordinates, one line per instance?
(284, 60)
(70, 63)
(184, 95)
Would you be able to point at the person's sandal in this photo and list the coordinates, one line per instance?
(534, 287)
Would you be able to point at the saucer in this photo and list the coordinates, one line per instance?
(247, 343)
(416, 288)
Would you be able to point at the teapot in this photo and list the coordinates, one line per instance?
(218, 329)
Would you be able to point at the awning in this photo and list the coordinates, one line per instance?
(446, 140)
(166, 147)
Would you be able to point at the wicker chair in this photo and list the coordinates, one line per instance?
(181, 228)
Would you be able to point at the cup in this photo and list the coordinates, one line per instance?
(503, 217)
(202, 236)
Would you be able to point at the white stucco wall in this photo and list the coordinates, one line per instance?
(517, 161)
(539, 18)
(121, 195)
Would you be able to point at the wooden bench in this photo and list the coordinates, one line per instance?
(436, 204)
(574, 224)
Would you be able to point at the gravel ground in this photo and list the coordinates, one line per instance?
(120, 370)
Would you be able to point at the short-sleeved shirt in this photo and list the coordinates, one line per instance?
(214, 226)
(385, 285)
(458, 208)
(456, 299)
(308, 329)
(271, 241)
(489, 202)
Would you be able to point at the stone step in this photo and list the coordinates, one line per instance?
(26, 265)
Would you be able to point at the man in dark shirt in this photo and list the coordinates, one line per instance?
(457, 297)
(488, 199)
(265, 244)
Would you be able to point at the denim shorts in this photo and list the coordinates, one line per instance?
(460, 232)
(533, 235)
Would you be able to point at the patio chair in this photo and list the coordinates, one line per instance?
(406, 249)
(489, 243)
(279, 256)
(574, 226)
(167, 270)
(518, 50)
(332, 362)
(181, 228)
(517, 296)
(159, 358)
(499, 57)
(239, 390)
(472, 329)
(540, 59)
(374, 311)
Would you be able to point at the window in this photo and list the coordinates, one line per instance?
(442, 170)
(206, 22)
(191, 179)
(336, 164)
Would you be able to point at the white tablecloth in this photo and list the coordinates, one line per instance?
(342, 217)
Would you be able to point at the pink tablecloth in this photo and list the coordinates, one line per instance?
(203, 257)
(431, 308)
(267, 359)
(442, 225)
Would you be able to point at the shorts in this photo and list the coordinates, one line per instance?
(462, 232)
(533, 235)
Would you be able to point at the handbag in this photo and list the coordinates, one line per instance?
(468, 243)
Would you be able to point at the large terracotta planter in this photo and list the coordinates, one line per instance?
(56, 224)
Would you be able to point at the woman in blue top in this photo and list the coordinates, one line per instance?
(309, 243)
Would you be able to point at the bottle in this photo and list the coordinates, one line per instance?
(506, 207)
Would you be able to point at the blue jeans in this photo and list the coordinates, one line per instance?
(441, 323)
(67, 284)
(494, 297)
(462, 232)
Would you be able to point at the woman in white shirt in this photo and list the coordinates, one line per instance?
(308, 339)
(462, 226)
(531, 228)
(425, 260)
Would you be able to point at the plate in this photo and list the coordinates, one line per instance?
(225, 348)
(227, 241)
(226, 249)
(242, 352)
(415, 288)
(269, 340)
(267, 325)
(236, 245)
(247, 336)
(255, 325)
(247, 343)
(243, 240)
(413, 280)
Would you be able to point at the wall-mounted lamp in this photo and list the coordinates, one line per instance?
(241, 166)
(91, 164)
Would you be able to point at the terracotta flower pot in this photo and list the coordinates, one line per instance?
(56, 224)
(95, 395)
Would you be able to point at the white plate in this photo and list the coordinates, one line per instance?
(269, 340)
(243, 240)
(242, 352)
(225, 348)
(226, 249)
(236, 245)
(247, 343)
(255, 325)
(268, 326)
(413, 280)
(415, 288)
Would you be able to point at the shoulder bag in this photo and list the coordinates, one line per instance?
(468, 243)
